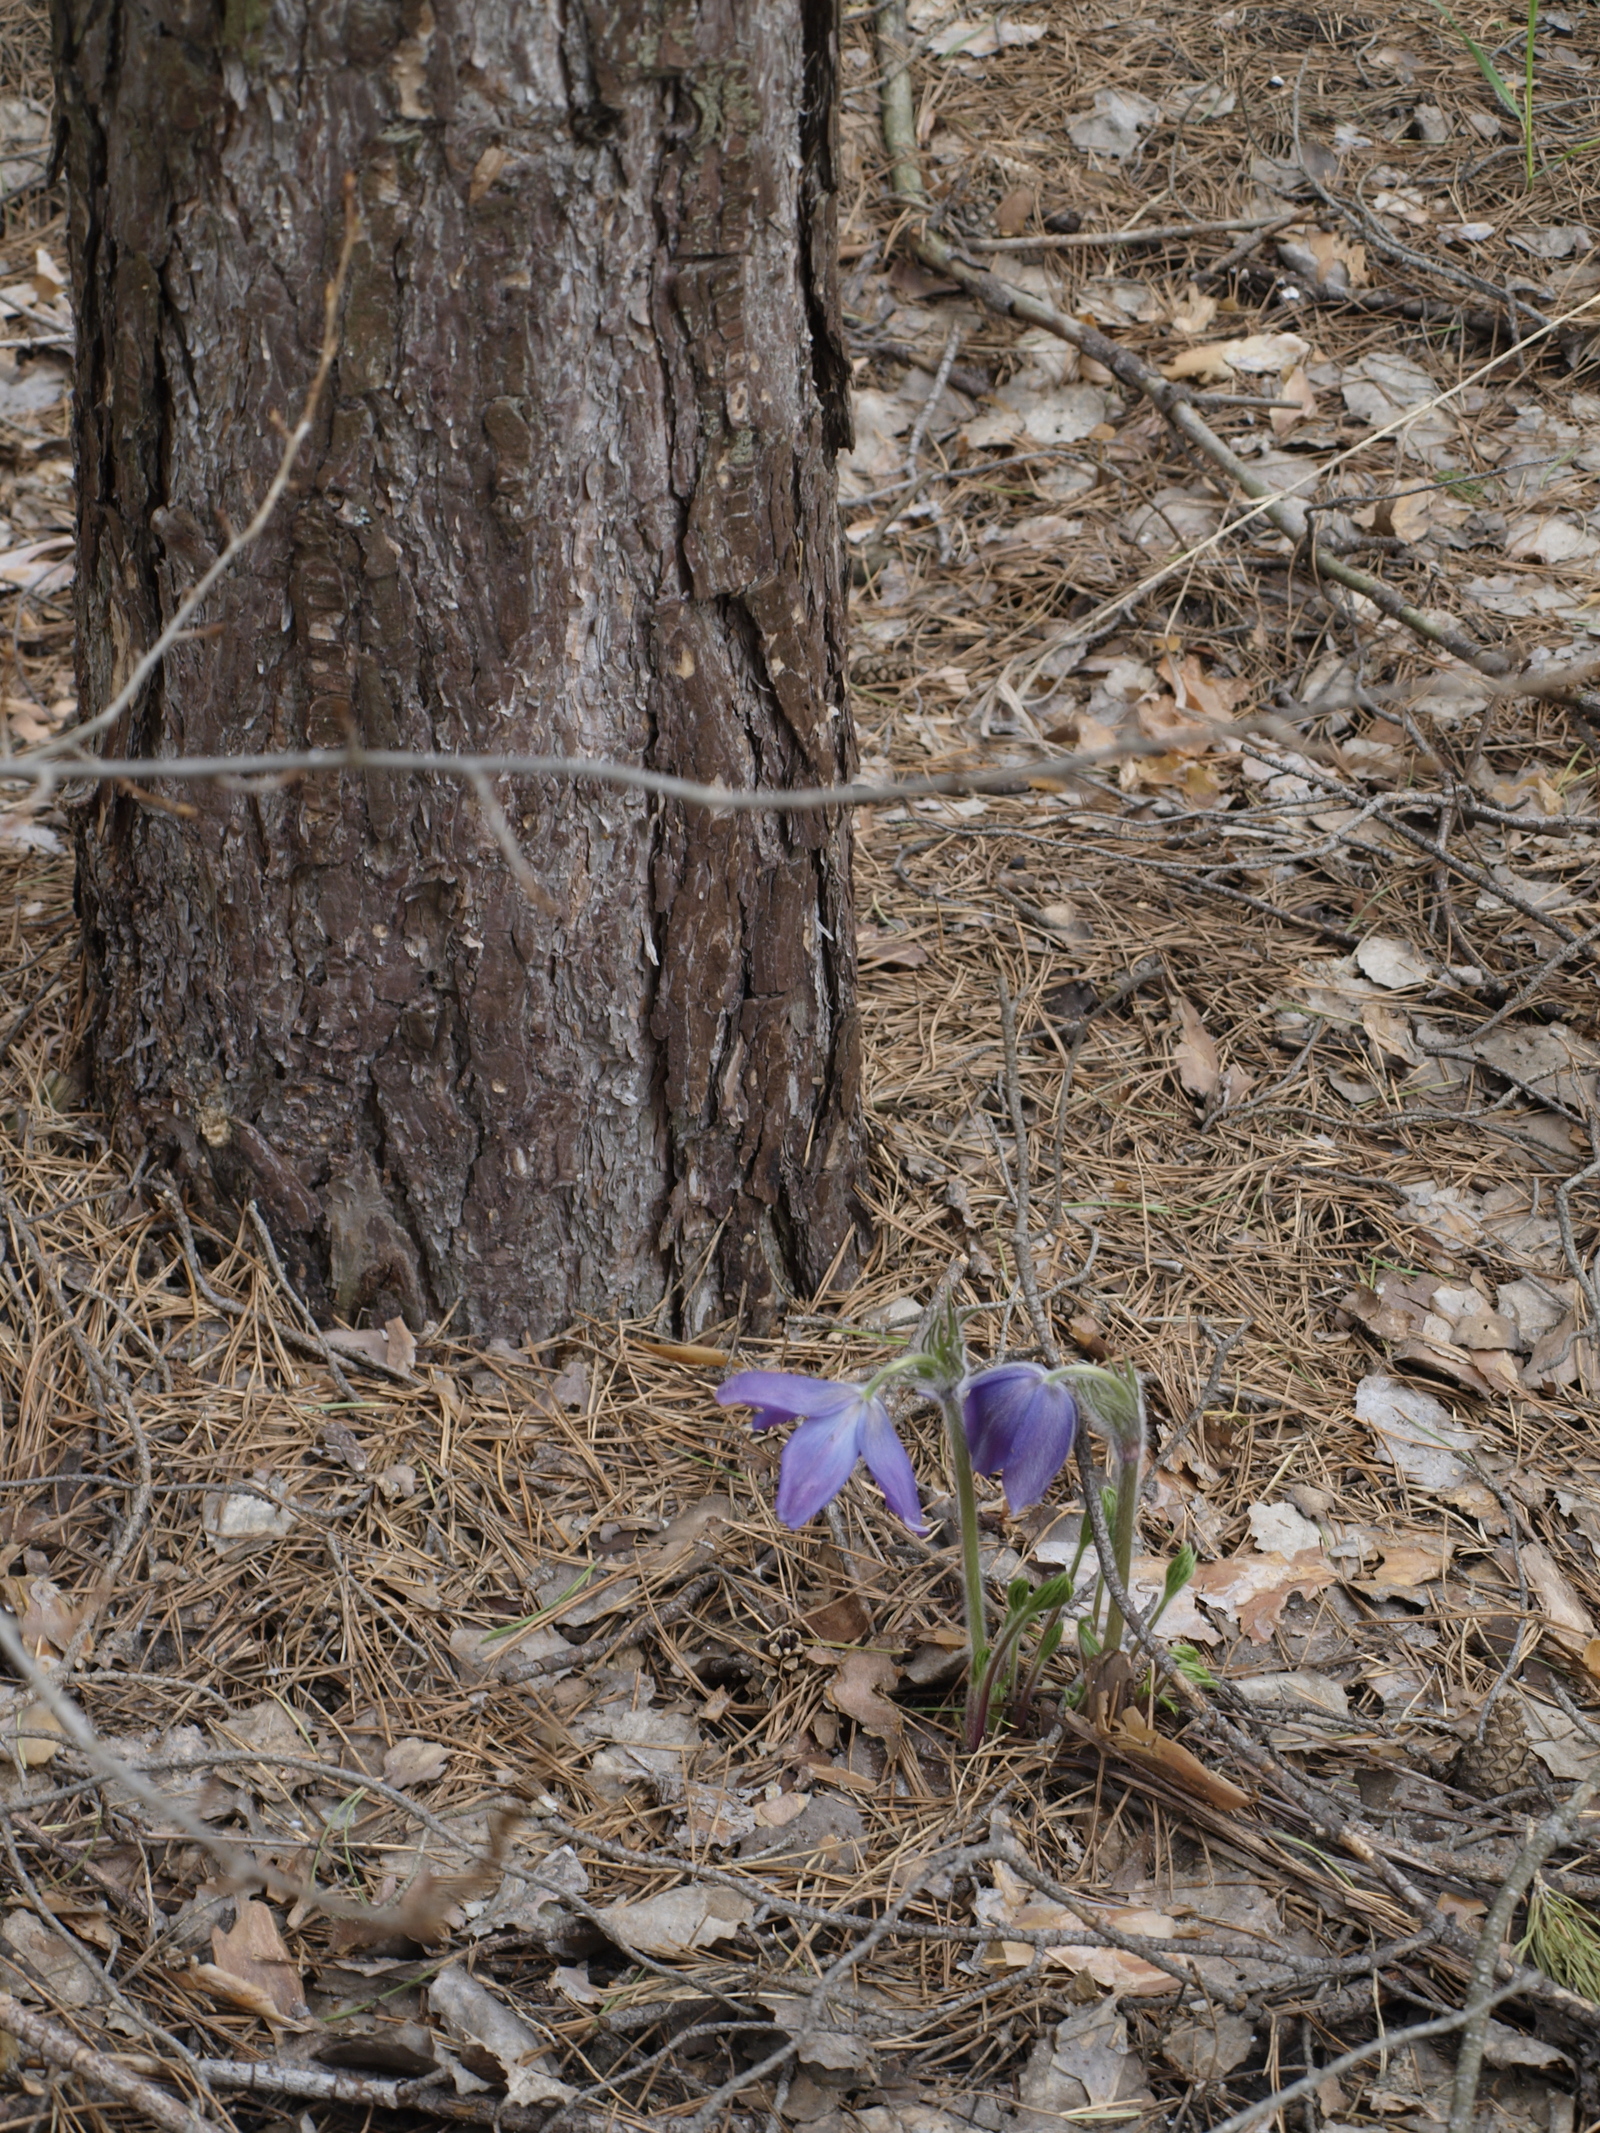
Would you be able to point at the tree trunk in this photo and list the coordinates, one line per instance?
(570, 490)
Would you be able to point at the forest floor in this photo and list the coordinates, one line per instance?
(1305, 1099)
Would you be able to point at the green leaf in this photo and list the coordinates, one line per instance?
(1179, 1571)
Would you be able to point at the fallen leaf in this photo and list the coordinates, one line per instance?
(1115, 125)
(400, 1345)
(71, 1977)
(969, 39)
(717, 1814)
(1258, 354)
(1012, 1902)
(1135, 1736)
(1279, 1529)
(845, 1620)
(1194, 1055)
(859, 1687)
(778, 1813)
(1206, 2050)
(414, 1762)
(676, 1922)
(1564, 1612)
(1392, 963)
(1466, 1910)
(254, 1954)
(688, 1533)
(1404, 1566)
(474, 2016)
(30, 1734)
(823, 2044)
(838, 1774)
(1255, 1589)
(1419, 1436)
(571, 1385)
(1087, 2066)
(1193, 101)
(236, 1518)
(1298, 388)
(1193, 314)
(1015, 211)
(694, 1353)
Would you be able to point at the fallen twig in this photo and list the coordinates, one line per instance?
(59, 2047)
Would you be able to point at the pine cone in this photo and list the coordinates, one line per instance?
(1502, 1761)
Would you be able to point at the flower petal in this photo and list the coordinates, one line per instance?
(784, 1396)
(891, 1468)
(817, 1462)
(995, 1405)
(1041, 1448)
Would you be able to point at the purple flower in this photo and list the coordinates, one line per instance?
(839, 1424)
(1020, 1425)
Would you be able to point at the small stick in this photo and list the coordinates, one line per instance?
(1158, 233)
(59, 2047)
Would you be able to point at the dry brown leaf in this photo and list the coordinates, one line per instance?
(845, 1620)
(1135, 1736)
(1194, 1055)
(1011, 1902)
(478, 2019)
(30, 1735)
(776, 1814)
(692, 1352)
(1012, 216)
(1406, 1565)
(845, 1779)
(252, 1953)
(859, 1690)
(1467, 1910)
(1256, 1588)
(1211, 696)
(691, 1532)
(1260, 353)
(1160, 719)
(1298, 388)
(399, 1345)
(1566, 1614)
(676, 1922)
(414, 1762)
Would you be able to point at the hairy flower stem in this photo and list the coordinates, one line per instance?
(1122, 1541)
(971, 1563)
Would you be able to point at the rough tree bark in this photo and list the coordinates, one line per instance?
(571, 490)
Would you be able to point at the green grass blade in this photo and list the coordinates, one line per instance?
(1504, 94)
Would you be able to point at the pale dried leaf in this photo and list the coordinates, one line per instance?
(1415, 1432)
(860, 1690)
(253, 1952)
(414, 1762)
(474, 2015)
(1194, 1055)
(676, 1922)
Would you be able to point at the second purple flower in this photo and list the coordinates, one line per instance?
(1021, 1421)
